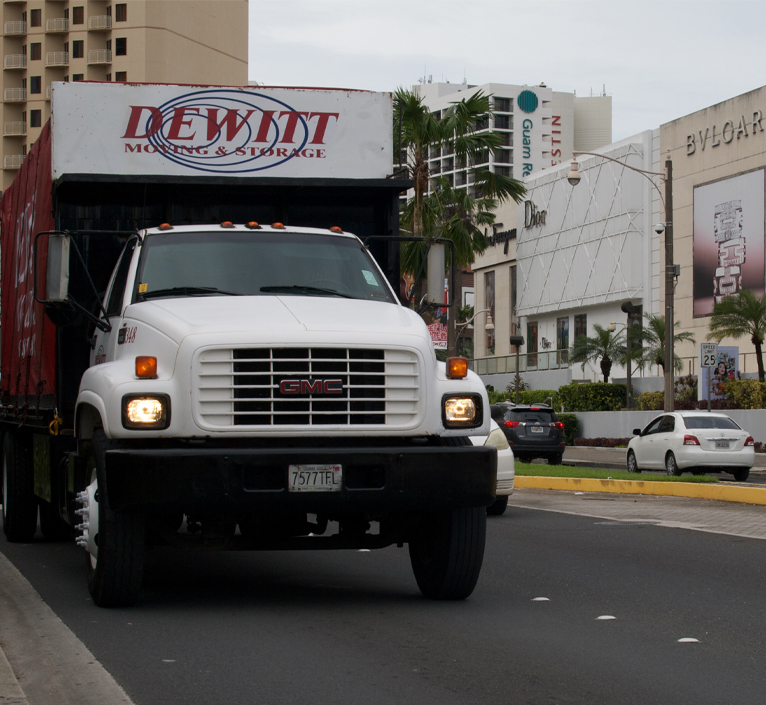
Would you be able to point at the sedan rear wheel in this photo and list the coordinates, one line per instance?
(741, 475)
(671, 467)
(632, 464)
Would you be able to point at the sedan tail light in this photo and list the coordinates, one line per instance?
(558, 424)
(749, 441)
(513, 424)
(691, 441)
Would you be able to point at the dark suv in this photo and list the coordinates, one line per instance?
(533, 431)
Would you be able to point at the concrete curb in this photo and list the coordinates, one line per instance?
(725, 493)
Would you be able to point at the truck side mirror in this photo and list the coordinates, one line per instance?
(436, 265)
(57, 268)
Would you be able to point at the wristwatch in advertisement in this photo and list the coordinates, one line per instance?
(727, 229)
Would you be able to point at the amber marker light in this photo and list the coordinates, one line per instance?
(253, 225)
(457, 367)
(278, 226)
(165, 226)
(336, 229)
(146, 367)
(227, 224)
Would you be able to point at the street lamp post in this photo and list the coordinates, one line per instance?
(489, 325)
(670, 270)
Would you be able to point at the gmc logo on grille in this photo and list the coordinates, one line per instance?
(307, 386)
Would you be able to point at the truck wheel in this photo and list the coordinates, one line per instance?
(498, 507)
(19, 501)
(446, 552)
(115, 557)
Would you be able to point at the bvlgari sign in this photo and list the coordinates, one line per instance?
(713, 135)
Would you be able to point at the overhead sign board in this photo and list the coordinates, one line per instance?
(172, 130)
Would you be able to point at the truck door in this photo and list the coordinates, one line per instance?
(114, 303)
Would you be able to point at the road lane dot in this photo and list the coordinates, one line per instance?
(688, 640)
(540, 599)
(605, 617)
(168, 660)
(579, 492)
(364, 550)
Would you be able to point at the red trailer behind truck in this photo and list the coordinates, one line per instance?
(197, 351)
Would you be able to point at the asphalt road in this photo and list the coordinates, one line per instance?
(350, 627)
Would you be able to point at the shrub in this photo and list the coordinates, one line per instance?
(651, 401)
(602, 442)
(592, 397)
(495, 397)
(527, 396)
(571, 427)
(745, 393)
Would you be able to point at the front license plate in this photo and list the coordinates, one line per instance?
(315, 478)
(723, 445)
(537, 429)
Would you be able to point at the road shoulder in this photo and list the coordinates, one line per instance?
(48, 664)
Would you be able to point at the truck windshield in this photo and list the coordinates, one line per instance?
(175, 264)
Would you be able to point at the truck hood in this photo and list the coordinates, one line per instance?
(291, 315)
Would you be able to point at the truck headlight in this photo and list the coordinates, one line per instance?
(146, 411)
(462, 411)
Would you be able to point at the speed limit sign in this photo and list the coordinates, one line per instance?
(708, 354)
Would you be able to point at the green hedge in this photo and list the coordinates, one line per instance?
(651, 401)
(527, 396)
(592, 397)
(571, 427)
(746, 393)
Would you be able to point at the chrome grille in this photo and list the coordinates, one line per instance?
(257, 387)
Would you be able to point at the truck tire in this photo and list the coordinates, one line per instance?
(446, 552)
(19, 501)
(114, 576)
(498, 507)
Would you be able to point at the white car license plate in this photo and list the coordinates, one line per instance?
(723, 445)
(315, 478)
(537, 429)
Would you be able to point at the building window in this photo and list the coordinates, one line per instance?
(78, 15)
(78, 49)
(35, 84)
(78, 76)
(562, 333)
(489, 302)
(35, 18)
(35, 118)
(109, 77)
(503, 105)
(121, 46)
(35, 52)
(121, 12)
(532, 344)
(121, 76)
(580, 325)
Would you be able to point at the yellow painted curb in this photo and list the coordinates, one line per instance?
(725, 493)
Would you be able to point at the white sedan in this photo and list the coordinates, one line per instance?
(692, 440)
(506, 472)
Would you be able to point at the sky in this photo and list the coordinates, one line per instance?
(658, 60)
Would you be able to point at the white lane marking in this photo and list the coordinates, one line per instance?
(688, 640)
(605, 617)
(364, 550)
(540, 599)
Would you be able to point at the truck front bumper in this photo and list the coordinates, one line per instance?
(375, 480)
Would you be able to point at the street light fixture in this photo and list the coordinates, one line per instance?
(670, 269)
(489, 325)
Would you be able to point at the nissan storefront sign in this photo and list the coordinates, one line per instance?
(171, 130)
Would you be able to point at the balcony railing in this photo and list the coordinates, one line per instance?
(58, 24)
(99, 56)
(99, 23)
(57, 58)
(15, 27)
(14, 94)
(528, 362)
(14, 128)
(12, 161)
(15, 61)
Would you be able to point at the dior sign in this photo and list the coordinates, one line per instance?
(532, 216)
(714, 136)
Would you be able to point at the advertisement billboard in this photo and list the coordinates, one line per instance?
(728, 239)
(172, 130)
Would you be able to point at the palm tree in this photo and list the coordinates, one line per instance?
(607, 346)
(738, 316)
(649, 343)
(447, 211)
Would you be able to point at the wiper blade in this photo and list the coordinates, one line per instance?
(304, 289)
(187, 291)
